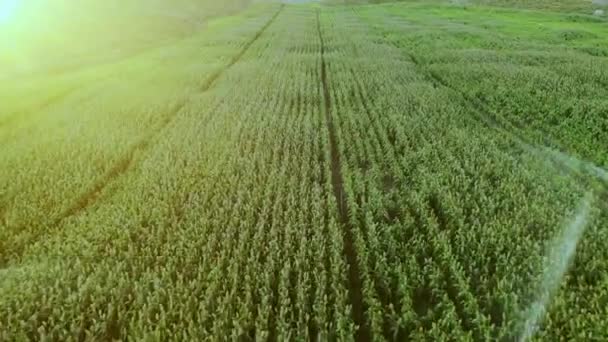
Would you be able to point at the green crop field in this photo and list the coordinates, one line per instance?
(326, 171)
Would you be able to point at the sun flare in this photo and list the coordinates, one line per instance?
(7, 9)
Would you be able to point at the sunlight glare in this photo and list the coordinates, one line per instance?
(7, 9)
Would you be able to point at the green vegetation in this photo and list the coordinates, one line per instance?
(58, 35)
(395, 172)
(543, 73)
(579, 6)
(562, 5)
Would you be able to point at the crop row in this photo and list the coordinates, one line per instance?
(313, 177)
(452, 219)
(225, 229)
(55, 161)
(543, 74)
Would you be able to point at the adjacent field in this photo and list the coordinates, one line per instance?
(299, 172)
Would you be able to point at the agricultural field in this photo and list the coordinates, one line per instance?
(417, 170)
(58, 35)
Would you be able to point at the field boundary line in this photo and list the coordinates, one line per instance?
(355, 292)
(126, 162)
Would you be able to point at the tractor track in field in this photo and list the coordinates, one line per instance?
(14, 116)
(481, 112)
(123, 165)
(381, 289)
(9, 119)
(355, 283)
(90, 196)
(443, 221)
(211, 80)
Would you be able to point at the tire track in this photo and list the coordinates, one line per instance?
(355, 284)
(468, 317)
(123, 165)
(381, 287)
(388, 147)
(14, 116)
(585, 172)
(436, 210)
(471, 314)
(127, 161)
(482, 112)
(211, 81)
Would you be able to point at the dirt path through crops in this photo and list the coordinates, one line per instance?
(337, 180)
